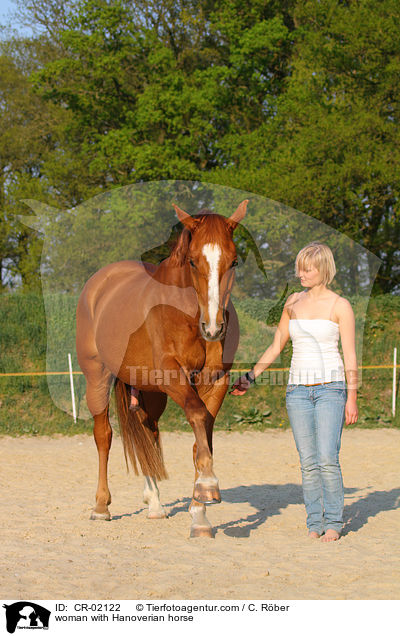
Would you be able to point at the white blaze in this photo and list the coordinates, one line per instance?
(212, 252)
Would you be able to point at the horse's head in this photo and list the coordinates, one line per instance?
(206, 247)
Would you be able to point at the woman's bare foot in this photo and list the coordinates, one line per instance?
(330, 535)
(313, 535)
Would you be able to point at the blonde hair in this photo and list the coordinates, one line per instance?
(320, 256)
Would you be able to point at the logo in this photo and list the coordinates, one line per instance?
(26, 615)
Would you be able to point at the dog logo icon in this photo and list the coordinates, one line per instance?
(26, 615)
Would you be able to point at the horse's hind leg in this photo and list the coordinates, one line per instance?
(98, 383)
(153, 404)
(151, 497)
(103, 436)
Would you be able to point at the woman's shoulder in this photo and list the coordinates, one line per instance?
(340, 300)
(291, 301)
(342, 307)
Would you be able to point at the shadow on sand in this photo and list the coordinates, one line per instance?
(268, 500)
(356, 514)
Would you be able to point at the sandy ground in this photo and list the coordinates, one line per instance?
(51, 550)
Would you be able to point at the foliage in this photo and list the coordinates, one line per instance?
(333, 148)
(297, 101)
(253, 419)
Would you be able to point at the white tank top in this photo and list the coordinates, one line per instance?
(316, 357)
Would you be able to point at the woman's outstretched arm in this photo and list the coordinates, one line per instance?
(281, 337)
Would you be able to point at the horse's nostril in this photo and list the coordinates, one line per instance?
(213, 334)
(220, 329)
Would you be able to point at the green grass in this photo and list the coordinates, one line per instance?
(27, 408)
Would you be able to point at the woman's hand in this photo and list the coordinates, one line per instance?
(240, 386)
(351, 411)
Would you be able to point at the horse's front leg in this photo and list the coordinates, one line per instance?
(200, 527)
(212, 397)
(206, 487)
(103, 436)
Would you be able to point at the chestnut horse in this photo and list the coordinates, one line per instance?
(168, 330)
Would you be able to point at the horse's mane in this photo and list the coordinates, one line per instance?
(210, 223)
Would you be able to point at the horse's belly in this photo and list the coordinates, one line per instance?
(119, 314)
(124, 351)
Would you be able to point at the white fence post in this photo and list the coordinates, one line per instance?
(71, 380)
(394, 382)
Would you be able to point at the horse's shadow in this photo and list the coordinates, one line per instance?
(268, 500)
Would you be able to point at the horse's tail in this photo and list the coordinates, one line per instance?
(140, 436)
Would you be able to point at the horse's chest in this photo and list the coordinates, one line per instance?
(193, 356)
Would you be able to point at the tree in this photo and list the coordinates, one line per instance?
(333, 148)
(297, 101)
(161, 90)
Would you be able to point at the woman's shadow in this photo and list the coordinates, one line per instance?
(357, 514)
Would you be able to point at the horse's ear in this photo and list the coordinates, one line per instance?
(178, 255)
(188, 221)
(238, 215)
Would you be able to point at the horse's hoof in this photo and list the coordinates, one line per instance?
(157, 514)
(201, 531)
(206, 491)
(100, 516)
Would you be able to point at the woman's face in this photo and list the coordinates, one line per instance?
(309, 277)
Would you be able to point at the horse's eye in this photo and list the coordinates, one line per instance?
(234, 263)
(192, 263)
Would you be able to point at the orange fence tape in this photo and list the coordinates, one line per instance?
(3, 375)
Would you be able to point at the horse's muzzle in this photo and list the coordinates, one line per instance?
(212, 334)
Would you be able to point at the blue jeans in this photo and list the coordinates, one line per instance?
(316, 415)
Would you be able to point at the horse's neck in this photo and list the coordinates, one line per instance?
(181, 294)
(178, 276)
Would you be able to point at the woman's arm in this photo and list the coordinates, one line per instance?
(281, 337)
(347, 328)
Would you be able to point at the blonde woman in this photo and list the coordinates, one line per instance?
(317, 400)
